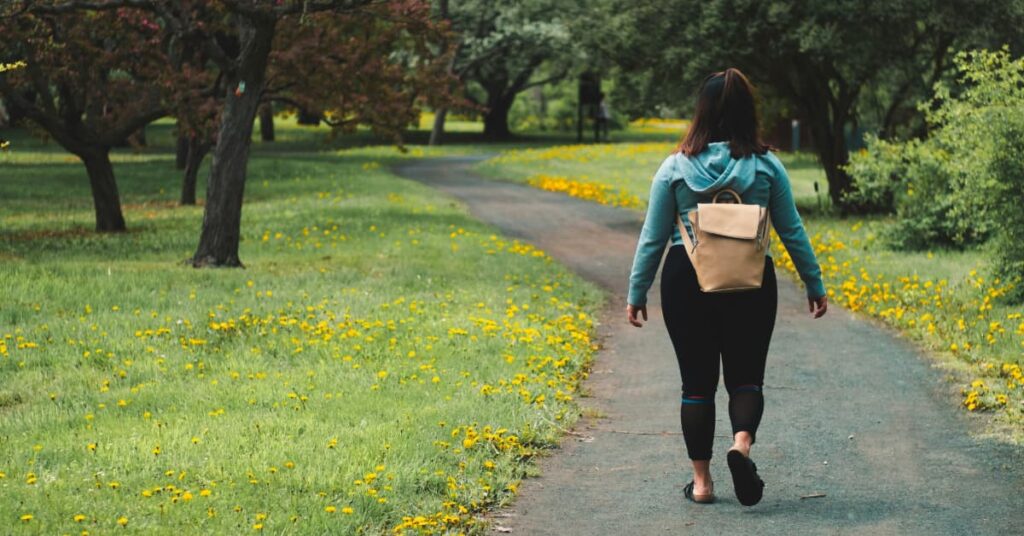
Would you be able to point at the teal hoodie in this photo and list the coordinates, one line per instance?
(683, 181)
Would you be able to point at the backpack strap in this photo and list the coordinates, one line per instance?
(687, 243)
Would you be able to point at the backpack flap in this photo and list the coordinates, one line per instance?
(731, 220)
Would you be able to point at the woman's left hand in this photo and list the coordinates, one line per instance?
(631, 314)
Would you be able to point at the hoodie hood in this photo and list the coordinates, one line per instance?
(715, 168)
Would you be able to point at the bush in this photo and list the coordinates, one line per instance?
(1007, 167)
(913, 180)
(953, 188)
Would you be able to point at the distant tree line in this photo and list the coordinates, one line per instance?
(836, 64)
(97, 71)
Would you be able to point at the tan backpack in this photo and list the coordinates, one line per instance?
(731, 243)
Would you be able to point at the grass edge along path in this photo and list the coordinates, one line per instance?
(956, 314)
(384, 365)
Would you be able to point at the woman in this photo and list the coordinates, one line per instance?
(722, 149)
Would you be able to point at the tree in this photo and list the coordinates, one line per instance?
(503, 44)
(88, 84)
(441, 113)
(820, 55)
(267, 122)
(317, 62)
(238, 39)
(4, 67)
(373, 67)
(194, 92)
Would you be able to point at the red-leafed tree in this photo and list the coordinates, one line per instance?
(367, 62)
(371, 67)
(239, 38)
(88, 83)
(194, 93)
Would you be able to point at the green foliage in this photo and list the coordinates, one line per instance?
(962, 185)
(911, 179)
(507, 47)
(550, 107)
(838, 64)
(1007, 168)
(553, 107)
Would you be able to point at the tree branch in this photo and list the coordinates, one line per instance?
(117, 134)
(545, 81)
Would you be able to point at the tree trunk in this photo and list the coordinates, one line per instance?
(542, 106)
(181, 152)
(440, 115)
(105, 198)
(222, 215)
(267, 122)
(197, 150)
(438, 130)
(830, 145)
(496, 118)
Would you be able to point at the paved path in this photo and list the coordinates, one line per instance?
(850, 411)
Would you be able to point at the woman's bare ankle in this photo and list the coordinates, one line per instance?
(742, 442)
(702, 481)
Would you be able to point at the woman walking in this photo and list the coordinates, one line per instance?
(722, 150)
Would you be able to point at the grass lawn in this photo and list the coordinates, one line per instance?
(384, 361)
(944, 300)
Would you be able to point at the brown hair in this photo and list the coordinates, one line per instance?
(726, 111)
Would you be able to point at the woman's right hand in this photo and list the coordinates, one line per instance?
(818, 305)
(631, 314)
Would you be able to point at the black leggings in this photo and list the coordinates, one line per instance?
(736, 325)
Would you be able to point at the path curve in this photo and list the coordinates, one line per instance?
(851, 411)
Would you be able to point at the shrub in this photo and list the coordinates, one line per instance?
(1007, 167)
(951, 188)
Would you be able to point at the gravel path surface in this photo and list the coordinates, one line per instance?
(851, 411)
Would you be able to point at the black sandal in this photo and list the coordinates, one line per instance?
(698, 498)
(748, 484)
